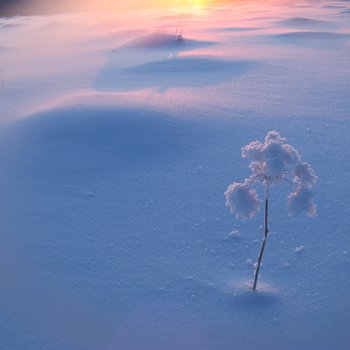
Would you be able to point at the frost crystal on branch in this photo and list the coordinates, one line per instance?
(301, 200)
(242, 200)
(272, 162)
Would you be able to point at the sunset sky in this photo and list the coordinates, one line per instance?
(30, 7)
(90, 5)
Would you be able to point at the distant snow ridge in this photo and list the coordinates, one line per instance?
(153, 40)
(303, 22)
(314, 39)
(273, 161)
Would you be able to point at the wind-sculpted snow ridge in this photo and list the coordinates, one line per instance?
(237, 29)
(304, 22)
(345, 12)
(273, 161)
(314, 39)
(178, 71)
(8, 25)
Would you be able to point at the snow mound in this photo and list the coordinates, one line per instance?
(92, 138)
(160, 40)
(153, 40)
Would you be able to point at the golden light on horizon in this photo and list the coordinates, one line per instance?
(172, 4)
(184, 3)
(192, 6)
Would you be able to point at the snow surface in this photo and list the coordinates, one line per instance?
(117, 145)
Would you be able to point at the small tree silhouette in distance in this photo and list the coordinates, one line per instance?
(272, 162)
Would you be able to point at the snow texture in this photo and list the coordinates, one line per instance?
(116, 145)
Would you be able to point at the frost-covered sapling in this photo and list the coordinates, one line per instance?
(272, 162)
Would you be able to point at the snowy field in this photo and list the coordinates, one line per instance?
(118, 141)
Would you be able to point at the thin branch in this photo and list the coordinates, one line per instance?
(288, 181)
(252, 179)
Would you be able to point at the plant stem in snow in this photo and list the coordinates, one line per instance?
(266, 233)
